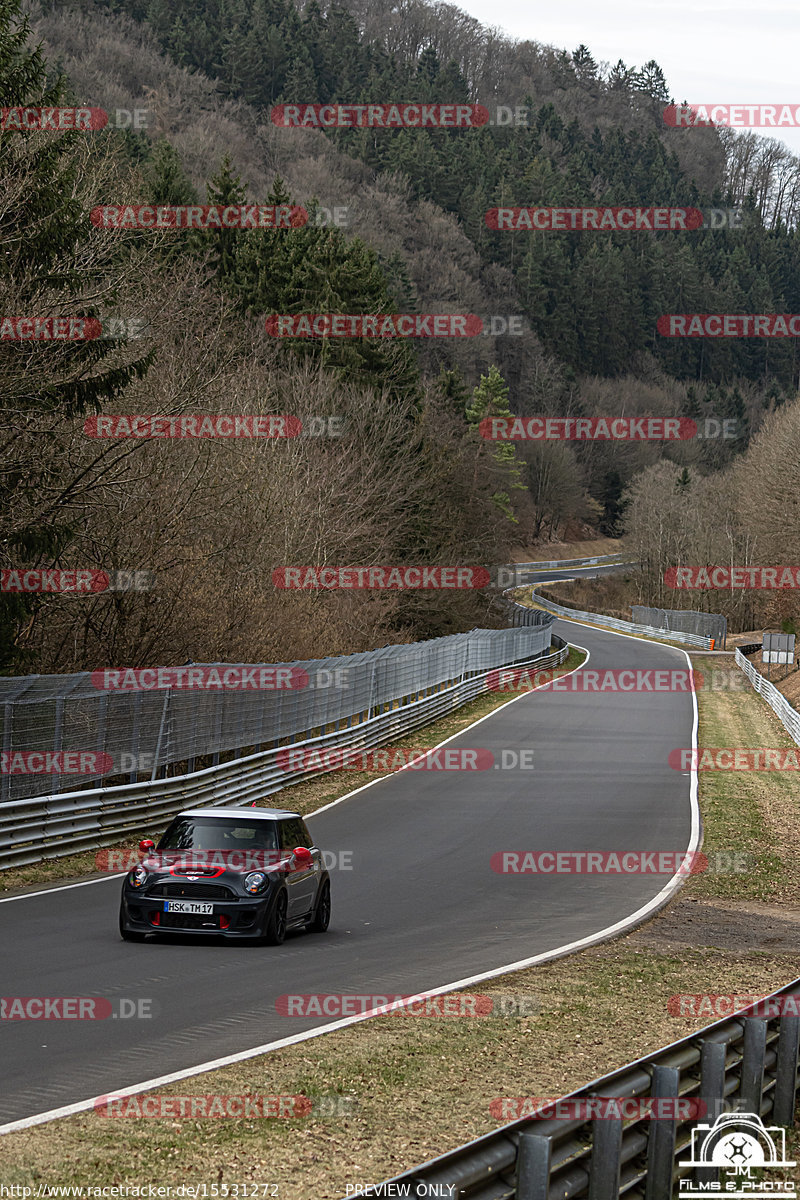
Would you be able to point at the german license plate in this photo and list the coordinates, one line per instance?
(187, 906)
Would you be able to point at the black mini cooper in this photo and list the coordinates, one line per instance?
(244, 873)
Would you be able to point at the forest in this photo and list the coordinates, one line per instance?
(407, 477)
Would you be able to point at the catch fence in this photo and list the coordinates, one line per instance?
(684, 620)
(390, 694)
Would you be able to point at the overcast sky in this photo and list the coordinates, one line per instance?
(725, 51)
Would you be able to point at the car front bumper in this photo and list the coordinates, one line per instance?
(240, 919)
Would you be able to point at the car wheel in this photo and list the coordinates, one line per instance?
(275, 930)
(128, 935)
(322, 913)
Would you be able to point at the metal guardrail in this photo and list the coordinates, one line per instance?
(684, 620)
(787, 715)
(54, 826)
(597, 560)
(745, 1062)
(654, 631)
(561, 610)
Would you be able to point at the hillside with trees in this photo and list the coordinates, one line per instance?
(411, 480)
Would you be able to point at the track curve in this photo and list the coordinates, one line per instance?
(421, 909)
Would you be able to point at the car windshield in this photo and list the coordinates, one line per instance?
(209, 833)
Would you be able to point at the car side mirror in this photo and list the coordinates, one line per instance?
(303, 855)
(146, 846)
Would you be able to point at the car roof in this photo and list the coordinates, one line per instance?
(258, 814)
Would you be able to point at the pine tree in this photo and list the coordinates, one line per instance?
(619, 76)
(652, 81)
(490, 399)
(585, 66)
(42, 191)
(166, 181)
(452, 389)
(222, 189)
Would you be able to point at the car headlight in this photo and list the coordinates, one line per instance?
(137, 877)
(256, 881)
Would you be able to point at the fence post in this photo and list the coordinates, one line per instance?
(786, 1071)
(751, 1085)
(5, 779)
(102, 710)
(712, 1092)
(604, 1166)
(533, 1167)
(58, 733)
(661, 1138)
(157, 754)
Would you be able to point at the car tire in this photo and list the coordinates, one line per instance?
(275, 928)
(128, 935)
(322, 910)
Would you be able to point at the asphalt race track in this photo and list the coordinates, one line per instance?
(421, 907)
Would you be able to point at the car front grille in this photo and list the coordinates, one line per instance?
(192, 891)
(187, 921)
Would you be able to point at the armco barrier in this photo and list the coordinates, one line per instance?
(749, 1061)
(560, 610)
(53, 826)
(788, 716)
(684, 620)
(604, 560)
(522, 570)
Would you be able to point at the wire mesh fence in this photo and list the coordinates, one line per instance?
(62, 732)
(685, 620)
